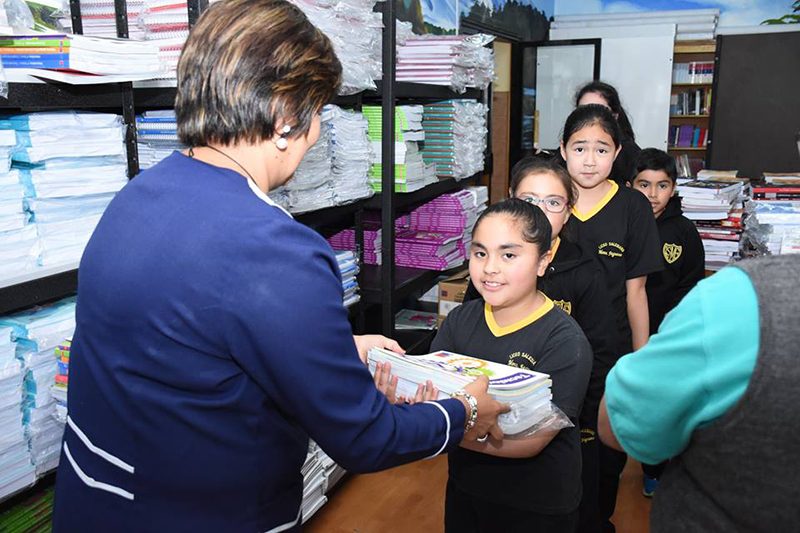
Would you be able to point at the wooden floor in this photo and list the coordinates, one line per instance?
(411, 499)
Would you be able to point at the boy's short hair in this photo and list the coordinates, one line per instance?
(655, 159)
(249, 64)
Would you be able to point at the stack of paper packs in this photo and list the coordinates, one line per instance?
(355, 30)
(15, 458)
(351, 155)
(455, 137)
(314, 476)
(410, 171)
(37, 333)
(348, 268)
(715, 206)
(69, 178)
(430, 250)
(19, 241)
(157, 136)
(527, 392)
(458, 61)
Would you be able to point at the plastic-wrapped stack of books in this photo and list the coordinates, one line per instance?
(314, 475)
(37, 333)
(348, 267)
(351, 155)
(458, 61)
(156, 136)
(165, 23)
(714, 202)
(772, 221)
(527, 392)
(410, 171)
(71, 164)
(355, 30)
(15, 458)
(346, 240)
(455, 137)
(19, 242)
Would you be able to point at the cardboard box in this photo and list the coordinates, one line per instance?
(451, 292)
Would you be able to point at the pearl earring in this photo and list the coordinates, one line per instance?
(282, 143)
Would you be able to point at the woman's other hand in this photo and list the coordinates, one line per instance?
(365, 342)
(488, 411)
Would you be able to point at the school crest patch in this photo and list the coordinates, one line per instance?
(672, 252)
(564, 305)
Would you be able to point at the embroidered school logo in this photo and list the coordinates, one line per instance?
(672, 252)
(610, 249)
(521, 360)
(564, 305)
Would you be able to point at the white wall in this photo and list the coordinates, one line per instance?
(637, 61)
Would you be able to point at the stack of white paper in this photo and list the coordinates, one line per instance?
(455, 137)
(37, 333)
(458, 61)
(69, 178)
(16, 469)
(355, 31)
(157, 136)
(527, 392)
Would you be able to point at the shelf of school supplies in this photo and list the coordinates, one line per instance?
(688, 116)
(406, 281)
(38, 286)
(61, 96)
(407, 200)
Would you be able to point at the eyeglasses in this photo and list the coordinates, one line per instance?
(551, 204)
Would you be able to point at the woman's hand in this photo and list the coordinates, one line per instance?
(488, 410)
(365, 342)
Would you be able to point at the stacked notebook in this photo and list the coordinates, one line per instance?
(527, 392)
(715, 204)
(99, 19)
(15, 459)
(410, 171)
(165, 24)
(351, 155)
(156, 136)
(458, 61)
(455, 137)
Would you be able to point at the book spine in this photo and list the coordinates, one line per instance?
(15, 50)
(36, 61)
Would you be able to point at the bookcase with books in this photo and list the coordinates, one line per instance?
(691, 100)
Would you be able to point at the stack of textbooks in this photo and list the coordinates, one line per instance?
(352, 155)
(346, 240)
(91, 55)
(458, 61)
(527, 392)
(432, 250)
(156, 136)
(455, 137)
(17, 469)
(355, 29)
(772, 221)
(61, 385)
(348, 267)
(715, 204)
(410, 171)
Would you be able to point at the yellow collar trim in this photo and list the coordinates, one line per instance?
(499, 331)
(583, 217)
(554, 249)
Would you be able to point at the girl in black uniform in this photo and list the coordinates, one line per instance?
(616, 224)
(534, 483)
(598, 92)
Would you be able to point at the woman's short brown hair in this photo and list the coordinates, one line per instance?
(248, 64)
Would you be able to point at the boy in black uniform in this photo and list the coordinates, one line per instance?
(681, 248)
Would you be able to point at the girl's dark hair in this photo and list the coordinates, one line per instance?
(535, 226)
(655, 159)
(541, 165)
(611, 96)
(588, 115)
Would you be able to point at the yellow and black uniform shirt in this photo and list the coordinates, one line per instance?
(684, 263)
(546, 341)
(621, 232)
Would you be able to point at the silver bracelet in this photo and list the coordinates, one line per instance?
(473, 408)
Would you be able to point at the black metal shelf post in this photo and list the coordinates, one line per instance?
(387, 174)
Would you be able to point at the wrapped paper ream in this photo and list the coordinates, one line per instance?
(527, 392)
